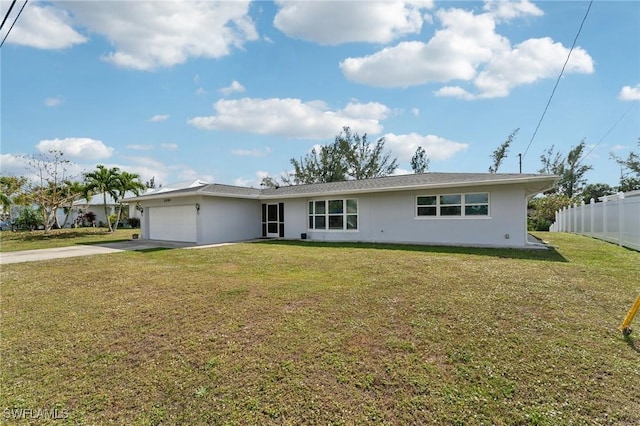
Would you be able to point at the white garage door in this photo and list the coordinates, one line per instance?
(173, 223)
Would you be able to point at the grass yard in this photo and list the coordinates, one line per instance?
(30, 240)
(305, 333)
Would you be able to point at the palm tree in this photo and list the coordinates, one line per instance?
(127, 182)
(75, 191)
(105, 181)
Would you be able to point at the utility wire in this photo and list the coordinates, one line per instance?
(608, 131)
(7, 15)
(575, 40)
(14, 22)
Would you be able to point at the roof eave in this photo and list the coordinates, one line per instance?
(544, 183)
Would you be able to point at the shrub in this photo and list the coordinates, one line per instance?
(134, 222)
(28, 219)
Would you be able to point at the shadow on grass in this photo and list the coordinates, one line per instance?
(152, 249)
(550, 255)
(633, 343)
(103, 243)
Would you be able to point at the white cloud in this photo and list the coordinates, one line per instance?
(415, 111)
(169, 146)
(159, 117)
(147, 35)
(251, 152)
(619, 147)
(234, 87)
(53, 102)
(468, 49)
(437, 148)
(83, 148)
(43, 27)
(140, 147)
(501, 9)
(200, 91)
(629, 93)
(331, 23)
(253, 182)
(292, 118)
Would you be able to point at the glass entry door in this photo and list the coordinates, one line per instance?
(273, 220)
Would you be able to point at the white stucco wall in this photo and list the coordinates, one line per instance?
(391, 217)
(228, 219)
(382, 217)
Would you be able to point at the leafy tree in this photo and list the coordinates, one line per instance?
(126, 182)
(12, 192)
(569, 169)
(595, 191)
(542, 210)
(151, 184)
(501, 152)
(350, 156)
(49, 189)
(363, 159)
(629, 171)
(28, 218)
(324, 164)
(104, 181)
(269, 182)
(419, 161)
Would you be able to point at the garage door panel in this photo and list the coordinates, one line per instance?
(173, 223)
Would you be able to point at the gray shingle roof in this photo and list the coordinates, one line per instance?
(536, 182)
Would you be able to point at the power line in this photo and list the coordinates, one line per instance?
(7, 15)
(575, 40)
(14, 22)
(609, 131)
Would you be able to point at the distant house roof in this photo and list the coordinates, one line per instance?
(534, 183)
(98, 200)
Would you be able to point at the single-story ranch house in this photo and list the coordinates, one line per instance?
(472, 209)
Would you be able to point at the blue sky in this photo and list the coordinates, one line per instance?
(229, 91)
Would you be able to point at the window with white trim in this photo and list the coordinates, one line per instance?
(333, 215)
(453, 205)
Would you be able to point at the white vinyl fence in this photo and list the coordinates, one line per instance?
(616, 219)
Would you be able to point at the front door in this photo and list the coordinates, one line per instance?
(273, 220)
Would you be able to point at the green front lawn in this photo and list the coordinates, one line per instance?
(30, 240)
(311, 333)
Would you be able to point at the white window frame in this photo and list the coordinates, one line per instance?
(312, 215)
(463, 204)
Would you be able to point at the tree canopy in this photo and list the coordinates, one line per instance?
(50, 189)
(105, 181)
(350, 156)
(420, 161)
(569, 168)
(501, 152)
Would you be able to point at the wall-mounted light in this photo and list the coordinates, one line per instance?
(139, 208)
(198, 207)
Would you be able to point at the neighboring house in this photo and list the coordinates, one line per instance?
(471, 209)
(96, 205)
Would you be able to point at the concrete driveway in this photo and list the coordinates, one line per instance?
(87, 250)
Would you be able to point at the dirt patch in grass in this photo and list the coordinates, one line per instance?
(325, 334)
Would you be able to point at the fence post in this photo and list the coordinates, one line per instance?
(592, 207)
(605, 199)
(575, 218)
(620, 218)
(582, 217)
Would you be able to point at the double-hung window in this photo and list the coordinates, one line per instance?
(336, 215)
(453, 205)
